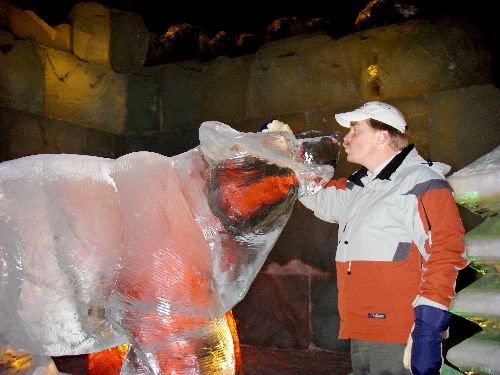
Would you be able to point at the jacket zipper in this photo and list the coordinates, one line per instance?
(429, 232)
(349, 266)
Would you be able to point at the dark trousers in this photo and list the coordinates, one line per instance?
(375, 358)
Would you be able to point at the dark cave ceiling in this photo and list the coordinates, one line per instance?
(255, 16)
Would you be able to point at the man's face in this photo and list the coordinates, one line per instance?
(360, 142)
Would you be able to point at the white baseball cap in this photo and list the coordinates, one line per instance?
(383, 112)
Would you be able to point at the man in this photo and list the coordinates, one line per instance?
(399, 246)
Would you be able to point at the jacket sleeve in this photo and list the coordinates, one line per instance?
(330, 202)
(444, 246)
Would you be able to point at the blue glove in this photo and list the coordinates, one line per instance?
(426, 339)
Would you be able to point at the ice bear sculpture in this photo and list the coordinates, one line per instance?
(146, 249)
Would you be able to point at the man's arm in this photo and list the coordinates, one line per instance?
(445, 246)
(330, 202)
(444, 257)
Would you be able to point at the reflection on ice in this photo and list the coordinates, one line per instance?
(147, 250)
(476, 186)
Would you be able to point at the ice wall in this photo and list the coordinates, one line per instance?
(477, 187)
(147, 250)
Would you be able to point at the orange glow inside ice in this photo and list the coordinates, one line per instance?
(107, 362)
(242, 202)
(236, 341)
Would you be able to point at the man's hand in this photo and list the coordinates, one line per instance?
(423, 352)
(277, 126)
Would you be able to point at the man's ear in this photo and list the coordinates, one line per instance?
(382, 137)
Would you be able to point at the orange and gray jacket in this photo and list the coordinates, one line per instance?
(399, 245)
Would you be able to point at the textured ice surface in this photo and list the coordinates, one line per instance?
(477, 354)
(145, 249)
(480, 301)
(483, 245)
(476, 185)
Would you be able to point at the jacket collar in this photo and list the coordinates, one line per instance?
(386, 173)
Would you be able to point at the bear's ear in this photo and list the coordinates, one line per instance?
(250, 195)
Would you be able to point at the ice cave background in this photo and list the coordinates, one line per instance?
(83, 87)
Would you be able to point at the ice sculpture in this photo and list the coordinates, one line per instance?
(477, 187)
(147, 250)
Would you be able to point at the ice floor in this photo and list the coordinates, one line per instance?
(258, 361)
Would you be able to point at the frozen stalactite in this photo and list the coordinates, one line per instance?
(477, 187)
